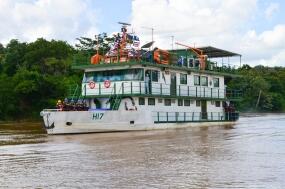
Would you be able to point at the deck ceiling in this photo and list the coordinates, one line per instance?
(214, 52)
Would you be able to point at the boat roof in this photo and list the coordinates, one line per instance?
(214, 52)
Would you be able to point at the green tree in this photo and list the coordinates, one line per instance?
(14, 56)
(89, 46)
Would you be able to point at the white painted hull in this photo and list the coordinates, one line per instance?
(71, 122)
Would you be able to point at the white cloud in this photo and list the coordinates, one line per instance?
(224, 24)
(51, 19)
(266, 48)
(271, 9)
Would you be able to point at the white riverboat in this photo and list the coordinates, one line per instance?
(131, 88)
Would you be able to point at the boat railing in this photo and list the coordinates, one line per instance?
(52, 110)
(160, 89)
(168, 117)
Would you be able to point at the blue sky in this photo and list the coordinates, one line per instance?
(261, 23)
(253, 28)
(112, 11)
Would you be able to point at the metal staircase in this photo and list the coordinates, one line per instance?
(115, 99)
(76, 94)
(116, 102)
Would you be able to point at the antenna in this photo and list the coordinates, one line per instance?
(124, 23)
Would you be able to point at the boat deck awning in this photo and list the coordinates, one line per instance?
(214, 52)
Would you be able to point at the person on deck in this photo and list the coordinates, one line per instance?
(147, 84)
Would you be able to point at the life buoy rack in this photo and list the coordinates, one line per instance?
(107, 83)
(91, 84)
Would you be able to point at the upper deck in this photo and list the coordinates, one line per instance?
(217, 61)
(128, 69)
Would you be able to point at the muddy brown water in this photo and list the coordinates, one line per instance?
(249, 154)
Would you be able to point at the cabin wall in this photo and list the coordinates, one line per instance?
(160, 87)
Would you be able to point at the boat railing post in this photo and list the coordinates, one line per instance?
(166, 116)
(140, 85)
(212, 116)
(196, 92)
(184, 116)
(99, 88)
(122, 87)
(218, 93)
(131, 87)
(115, 88)
(158, 117)
(211, 92)
(188, 91)
(179, 87)
(176, 116)
(160, 88)
(192, 116)
(204, 91)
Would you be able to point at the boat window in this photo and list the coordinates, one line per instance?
(115, 75)
(218, 103)
(186, 102)
(197, 63)
(198, 103)
(183, 79)
(204, 81)
(154, 75)
(191, 62)
(196, 80)
(151, 101)
(160, 100)
(180, 102)
(89, 76)
(167, 102)
(141, 101)
(216, 82)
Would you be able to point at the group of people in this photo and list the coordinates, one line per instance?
(71, 105)
(229, 108)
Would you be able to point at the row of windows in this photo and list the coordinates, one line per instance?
(137, 75)
(181, 102)
(199, 80)
(115, 75)
(188, 62)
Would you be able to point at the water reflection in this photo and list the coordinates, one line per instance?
(249, 154)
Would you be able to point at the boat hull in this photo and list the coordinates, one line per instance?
(75, 122)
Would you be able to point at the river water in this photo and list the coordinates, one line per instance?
(249, 154)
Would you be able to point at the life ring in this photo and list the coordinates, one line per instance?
(161, 56)
(107, 83)
(91, 84)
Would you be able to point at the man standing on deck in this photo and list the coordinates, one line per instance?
(147, 83)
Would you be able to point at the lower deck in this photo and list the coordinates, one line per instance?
(166, 110)
(64, 122)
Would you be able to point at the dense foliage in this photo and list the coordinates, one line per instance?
(263, 88)
(34, 75)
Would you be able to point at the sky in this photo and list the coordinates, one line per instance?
(253, 28)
